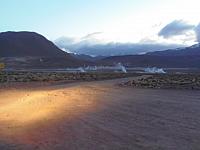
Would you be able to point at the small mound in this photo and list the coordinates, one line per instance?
(167, 81)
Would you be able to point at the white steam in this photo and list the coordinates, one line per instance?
(154, 70)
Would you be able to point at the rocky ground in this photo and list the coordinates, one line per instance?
(167, 81)
(58, 76)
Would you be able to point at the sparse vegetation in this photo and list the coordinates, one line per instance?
(55, 76)
(168, 81)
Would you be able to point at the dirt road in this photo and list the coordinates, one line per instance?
(99, 115)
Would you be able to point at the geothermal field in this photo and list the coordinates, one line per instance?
(99, 75)
(111, 114)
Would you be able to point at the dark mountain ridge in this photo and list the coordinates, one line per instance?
(187, 51)
(22, 50)
(22, 44)
(188, 57)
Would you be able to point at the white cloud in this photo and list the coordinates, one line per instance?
(91, 35)
(97, 47)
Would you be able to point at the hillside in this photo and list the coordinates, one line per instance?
(188, 57)
(22, 44)
(188, 51)
(20, 50)
(154, 61)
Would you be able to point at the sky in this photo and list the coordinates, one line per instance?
(135, 21)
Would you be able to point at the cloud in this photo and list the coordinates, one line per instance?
(115, 49)
(69, 43)
(197, 30)
(91, 35)
(93, 46)
(175, 28)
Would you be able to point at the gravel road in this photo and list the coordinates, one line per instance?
(99, 116)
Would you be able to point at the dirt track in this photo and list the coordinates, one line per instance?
(99, 115)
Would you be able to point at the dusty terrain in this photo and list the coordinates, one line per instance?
(98, 115)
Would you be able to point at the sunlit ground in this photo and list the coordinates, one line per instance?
(21, 111)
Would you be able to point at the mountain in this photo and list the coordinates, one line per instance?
(154, 61)
(179, 58)
(188, 51)
(22, 44)
(22, 50)
(118, 49)
(87, 57)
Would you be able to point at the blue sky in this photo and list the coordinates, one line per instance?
(72, 16)
(119, 20)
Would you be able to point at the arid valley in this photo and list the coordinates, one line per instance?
(99, 75)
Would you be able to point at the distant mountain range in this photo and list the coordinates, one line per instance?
(87, 57)
(32, 50)
(188, 51)
(93, 47)
(175, 58)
